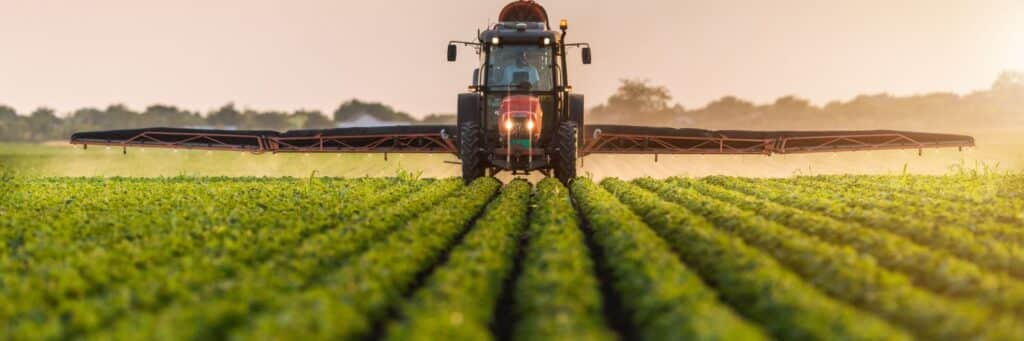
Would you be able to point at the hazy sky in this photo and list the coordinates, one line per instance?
(295, 54)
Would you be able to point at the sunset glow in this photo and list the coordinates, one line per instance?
(286, 55)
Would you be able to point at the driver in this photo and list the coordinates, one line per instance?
(522, 65)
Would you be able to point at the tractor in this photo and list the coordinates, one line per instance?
(520, 113)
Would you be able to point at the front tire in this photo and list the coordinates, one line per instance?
(565, 163)
(470, 146)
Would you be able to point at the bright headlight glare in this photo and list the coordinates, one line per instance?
(547, 41)
(529, 125)
(508, 125)
(495, 40)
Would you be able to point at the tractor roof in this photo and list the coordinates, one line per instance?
(522, 21)
(519, 32)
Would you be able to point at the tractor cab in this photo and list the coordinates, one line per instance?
(520, 85)
(513, 67)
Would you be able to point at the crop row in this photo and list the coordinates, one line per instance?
(996, 217)
(936, 270)
(457, 301)
(557, 295)
(985, 251)
(663, 298)
(749, 279)
(219, 300)
(103, 282)
(353, 296)
(401, 259)
(843, 273)
(145, 216)
(988, 192)
(82, 216)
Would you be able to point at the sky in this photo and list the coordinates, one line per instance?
(287, 55)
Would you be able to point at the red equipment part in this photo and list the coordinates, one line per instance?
(621, 139)
(395, 139)
(519, 111)
(601, 139)
(524, 11)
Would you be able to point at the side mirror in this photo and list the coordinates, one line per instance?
(476, 77)
(452, 52)
(586, 55)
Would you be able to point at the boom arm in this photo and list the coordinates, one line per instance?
(598, 139)
(391, 139)
(620, 139)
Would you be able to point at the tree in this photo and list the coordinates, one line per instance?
(727, 112)
(7, 113)
(637, 101)
(43, 124)
(792, 103)
(312, 120)
(170, 116)
(10, 123)
(354, 109)
(88, 119)
(119, 116)
(271, 120)
(225, 117)
(730, 105)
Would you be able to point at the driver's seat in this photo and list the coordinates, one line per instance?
(521, 79)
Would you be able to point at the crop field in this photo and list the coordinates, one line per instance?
(800, 258)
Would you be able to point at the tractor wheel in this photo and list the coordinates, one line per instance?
(470, 145)
(565, 158)
(576, 115)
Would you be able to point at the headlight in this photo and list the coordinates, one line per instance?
(529, 125)
(547, 41)
(508, 125)
(495, 40)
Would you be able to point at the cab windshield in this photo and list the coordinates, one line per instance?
(520, 67)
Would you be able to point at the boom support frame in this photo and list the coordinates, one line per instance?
(601, 139)
(354, 140)
(614, 139)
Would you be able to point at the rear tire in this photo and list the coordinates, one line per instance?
(565, 156)
(470, 150)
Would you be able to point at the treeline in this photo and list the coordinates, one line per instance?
(1000, 107)
(44, 124)
(636, 102)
